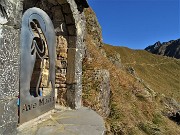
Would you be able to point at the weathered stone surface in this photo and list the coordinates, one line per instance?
(72, 42)
(97, 90)
(102, 79)
(57, 85)
(61, 99)
(116, 59)
(9, 62)
(71, 30)
(63, 55)
(93, 28)
(62, 1)
(58, 64)
(8, 116)
(61, 42)
(71, 95)
(83, 121)
(61, 49)
(45, 77)
(11, 12)
(54, 2)
(57, 14)
(46, 63)
(46, 91)
(71, 66)
(62, 86)
(28, 4)
(62, 71)
(66, 9)
(60, 79)
(60, 28)
(69, 19)
(42, 4)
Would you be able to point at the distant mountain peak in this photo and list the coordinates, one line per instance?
(170, 48)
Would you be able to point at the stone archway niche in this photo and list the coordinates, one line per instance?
(68, 20)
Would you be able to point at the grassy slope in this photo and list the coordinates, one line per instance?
(162, 74)
(130, 113)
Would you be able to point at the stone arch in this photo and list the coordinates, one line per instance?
(68, 20)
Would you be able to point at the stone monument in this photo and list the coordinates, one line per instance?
(69, 27)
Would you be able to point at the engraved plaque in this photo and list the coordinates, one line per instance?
(37, 73)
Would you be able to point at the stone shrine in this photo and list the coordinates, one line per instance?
(65, 62)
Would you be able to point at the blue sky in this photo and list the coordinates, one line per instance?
(137, 23)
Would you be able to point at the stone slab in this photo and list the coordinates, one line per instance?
(83, 121)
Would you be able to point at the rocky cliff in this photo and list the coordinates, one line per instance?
(171, 48)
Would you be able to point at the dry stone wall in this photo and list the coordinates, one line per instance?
(61, 70)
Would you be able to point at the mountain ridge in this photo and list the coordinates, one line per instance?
(170, 48)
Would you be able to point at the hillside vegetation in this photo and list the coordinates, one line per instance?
(161, 73)
(144, 87)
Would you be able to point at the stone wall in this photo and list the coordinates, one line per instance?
(10, 16)
(61, 70)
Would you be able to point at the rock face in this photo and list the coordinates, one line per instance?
(93, 28)
(96, 94)
(171, 48)
(96, 81)
(102, 80)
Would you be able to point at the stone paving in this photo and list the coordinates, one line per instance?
(83, 121)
